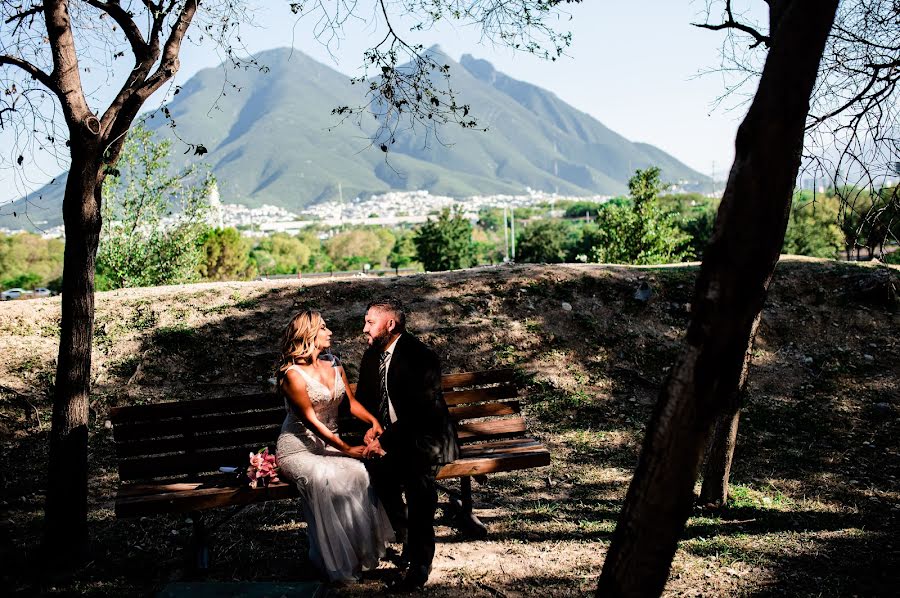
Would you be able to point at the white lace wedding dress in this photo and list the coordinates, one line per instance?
(348, 528)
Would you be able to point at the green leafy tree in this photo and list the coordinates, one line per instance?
(262, 261)
(27, 255)
(225, 255)
(869, 219)
(544, 241)
(289, 253)
(403, 253)
(445, 243)
(696, 218)
(488, 245)
(582, 209)
(642, 233)
(490, 219)
(318, 258)
(353, 248)
(26, 280)
(813, 227)
(153, 221)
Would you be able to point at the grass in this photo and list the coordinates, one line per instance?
(743, 496)
(125, 367)
(178, 337)
(249, 303)
(725, 550)
(144, 317)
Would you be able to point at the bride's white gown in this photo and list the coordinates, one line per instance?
(348, 528)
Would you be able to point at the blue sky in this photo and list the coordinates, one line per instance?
(634, 66)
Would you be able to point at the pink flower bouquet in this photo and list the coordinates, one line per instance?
(263, 468)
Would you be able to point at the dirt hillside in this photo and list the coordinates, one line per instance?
(816, 498)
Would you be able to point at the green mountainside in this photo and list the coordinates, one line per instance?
(271, 139)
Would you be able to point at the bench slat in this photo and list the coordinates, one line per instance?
(150, 488)
(498, 447)
(480, 395)
(212, 423)
(464, 379)
(537, 457)
(193, 463)
(199, 499)
(267, 436)
(495, 409)
(499, 428)
(159, 411)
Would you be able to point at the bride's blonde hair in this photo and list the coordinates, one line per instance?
(299, 340)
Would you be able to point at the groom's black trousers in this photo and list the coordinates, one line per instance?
(391, 475)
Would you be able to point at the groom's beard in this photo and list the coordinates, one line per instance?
(380, 341)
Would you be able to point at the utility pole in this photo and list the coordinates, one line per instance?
(505, 233)
(512, 234)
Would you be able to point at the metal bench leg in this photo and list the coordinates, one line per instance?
(469, 524)
(200, 544)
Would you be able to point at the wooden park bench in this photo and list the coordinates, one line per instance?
(169, 454)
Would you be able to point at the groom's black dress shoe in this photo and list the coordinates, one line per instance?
(414, 580)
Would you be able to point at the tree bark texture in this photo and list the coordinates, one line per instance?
(720, 453)
(66, 507)
(731, 287)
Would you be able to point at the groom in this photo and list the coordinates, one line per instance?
(400, 382)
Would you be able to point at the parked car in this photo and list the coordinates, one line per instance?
(42, 292)
(14, 293)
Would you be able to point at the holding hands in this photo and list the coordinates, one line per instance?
(373, 446)
(357, 452)
(373, 449)
(373, 432)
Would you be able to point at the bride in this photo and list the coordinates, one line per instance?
(348, 527)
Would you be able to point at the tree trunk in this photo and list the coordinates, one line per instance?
(720, 454)
(731, 287)
(716, 473)
(66, 536)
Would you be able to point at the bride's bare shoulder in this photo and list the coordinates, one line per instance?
(293, 379)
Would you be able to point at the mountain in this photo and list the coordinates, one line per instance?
(271, 138)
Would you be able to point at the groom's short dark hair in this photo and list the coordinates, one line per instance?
(393, 305)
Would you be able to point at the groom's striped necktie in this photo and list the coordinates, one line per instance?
(384, 415)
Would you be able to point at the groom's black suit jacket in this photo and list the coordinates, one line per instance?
(424, 434)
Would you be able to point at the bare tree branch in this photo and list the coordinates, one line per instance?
(169, 63)
(129, 27)
(20, 17)
(731, 23)
(32, 70)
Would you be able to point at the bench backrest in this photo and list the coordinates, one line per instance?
(193, 438)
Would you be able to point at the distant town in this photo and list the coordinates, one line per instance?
(386, 209)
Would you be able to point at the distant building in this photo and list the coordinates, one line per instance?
(216, 217)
